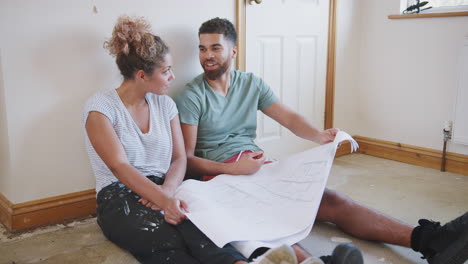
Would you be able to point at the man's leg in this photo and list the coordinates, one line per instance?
(438, 244)
(362, 222)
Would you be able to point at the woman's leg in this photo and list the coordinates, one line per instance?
(204, 250)
(140, 230)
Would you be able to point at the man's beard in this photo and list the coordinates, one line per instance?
(215, 74)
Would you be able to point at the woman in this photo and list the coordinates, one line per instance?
(135, 146)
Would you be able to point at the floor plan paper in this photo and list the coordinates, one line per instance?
(275, 206)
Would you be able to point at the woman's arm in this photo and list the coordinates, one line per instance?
(175, 174)
(107, 145)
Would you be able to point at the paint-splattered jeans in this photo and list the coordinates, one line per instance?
(145, 234)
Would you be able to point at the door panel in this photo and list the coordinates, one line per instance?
(286, 45)
(270, 50)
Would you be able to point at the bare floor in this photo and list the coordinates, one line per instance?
(405, 192)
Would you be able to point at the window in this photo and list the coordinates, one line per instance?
(438, 6)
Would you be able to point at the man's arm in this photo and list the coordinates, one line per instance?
(298, 124)
(248, 164)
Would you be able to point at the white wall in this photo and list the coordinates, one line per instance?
(348, 41)
(4, 146)
(53, 60)
(396, 79)
(405, 74)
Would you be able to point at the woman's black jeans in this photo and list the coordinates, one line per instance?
(147, 236)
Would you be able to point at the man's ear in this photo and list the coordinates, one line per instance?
(234, 52)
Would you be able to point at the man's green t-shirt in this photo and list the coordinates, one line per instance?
(226, 125)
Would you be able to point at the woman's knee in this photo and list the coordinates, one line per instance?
(139, 230)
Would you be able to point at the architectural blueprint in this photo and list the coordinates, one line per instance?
(275, 206)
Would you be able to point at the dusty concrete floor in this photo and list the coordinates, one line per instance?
(403, 191)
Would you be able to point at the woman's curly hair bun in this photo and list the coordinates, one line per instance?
(133, 42)
(131, 33)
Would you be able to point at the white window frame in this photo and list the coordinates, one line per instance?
(446, 9)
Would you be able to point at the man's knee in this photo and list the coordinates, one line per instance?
(332, 203)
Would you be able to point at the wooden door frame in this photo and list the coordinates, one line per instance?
(331, 52)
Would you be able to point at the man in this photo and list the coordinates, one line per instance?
(218, 114)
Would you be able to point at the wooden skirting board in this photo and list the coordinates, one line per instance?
(63, 208)
(5, 211)
(57, 209)
(423, 157)
(344, 149)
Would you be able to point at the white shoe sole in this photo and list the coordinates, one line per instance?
(280, 255)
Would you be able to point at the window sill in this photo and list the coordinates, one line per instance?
(428, 15)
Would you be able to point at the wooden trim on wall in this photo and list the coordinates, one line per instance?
(344, 149)
(5, 211)
(424, 157)
(57, 209)
(330, 78)
(428, 15)
(241, 37)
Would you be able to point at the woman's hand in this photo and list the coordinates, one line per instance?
(149, 204)
(174, 211)
(169, 191)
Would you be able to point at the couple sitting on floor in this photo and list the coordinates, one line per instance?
(141, 143)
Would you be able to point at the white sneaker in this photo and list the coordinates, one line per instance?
(280, 255)
(312, 260)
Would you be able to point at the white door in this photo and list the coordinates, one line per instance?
(286, 45)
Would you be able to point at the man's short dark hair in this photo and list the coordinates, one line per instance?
(219, 26)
